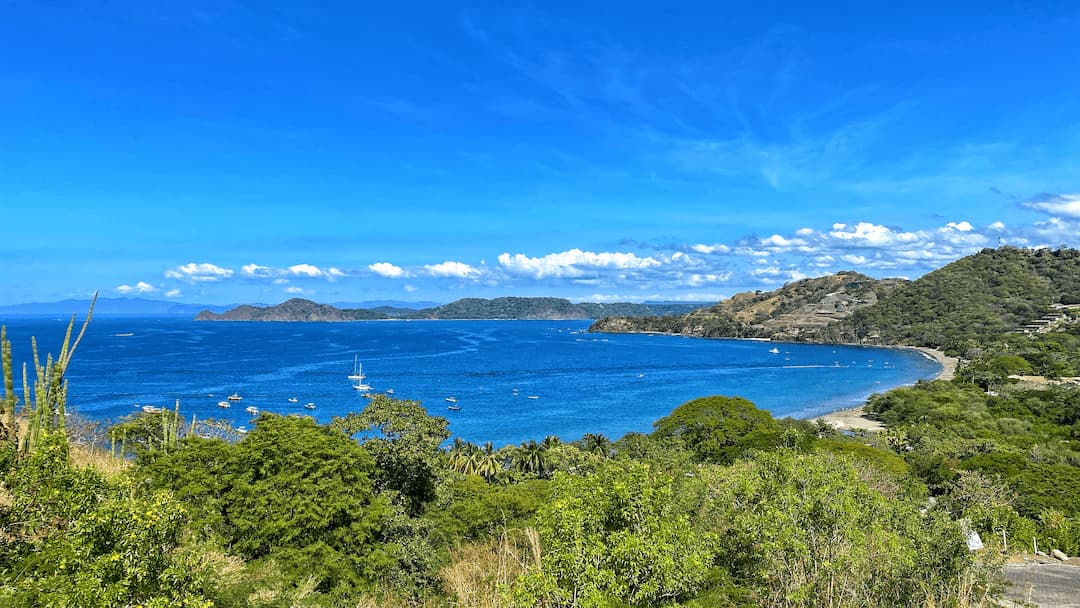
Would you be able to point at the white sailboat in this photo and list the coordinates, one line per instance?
(357, 374)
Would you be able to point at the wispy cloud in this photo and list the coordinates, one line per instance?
(1058, 205)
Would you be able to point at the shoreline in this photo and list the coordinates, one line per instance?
(855, 418)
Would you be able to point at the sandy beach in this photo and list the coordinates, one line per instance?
(854, 418)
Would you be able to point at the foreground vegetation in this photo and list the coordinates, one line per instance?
(721, 505)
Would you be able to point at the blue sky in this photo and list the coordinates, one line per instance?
(230, 152)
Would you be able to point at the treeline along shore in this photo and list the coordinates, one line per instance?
(720, 504)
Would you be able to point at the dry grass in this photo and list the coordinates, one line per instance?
(478, 573)
(98, 459)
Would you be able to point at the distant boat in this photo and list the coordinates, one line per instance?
(234, 397)
(309, 406)
(454, 408)
(389, 391)
(293, 400)
(251, 409)
(774, 350)
(367, 395)
(452, 399)
(242, 430)
(533, 397)
(150, 409)
(125, 335)
(224, 404)
(358, 375)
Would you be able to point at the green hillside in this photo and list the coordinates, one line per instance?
(983, 295)
(990, 292)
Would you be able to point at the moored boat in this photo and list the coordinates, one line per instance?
(234, 397)
(224, 404)
(251, 409)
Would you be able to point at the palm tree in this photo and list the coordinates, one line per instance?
(463, 457)
(531, 457)
(551, 441)
(595, 443)
(488, 463)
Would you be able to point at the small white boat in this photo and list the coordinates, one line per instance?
(293, 400)
(242, 430)
(224, 404)
(150, 409)
(251, 409)
(451, 399)
(389, 391)
(234, 397)
(533, 397)
(774, 350)
(309, 405)
(454, 408)
(367, 395)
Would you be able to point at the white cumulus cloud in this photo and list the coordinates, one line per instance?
(204, 273)
(173, 293)
(386, 269)
(572, 263)
(871, 235)
(140, 287)
(254, 270)
(306, 270)
(452, 269)
(707, 249)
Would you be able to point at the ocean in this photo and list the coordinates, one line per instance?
(512, 380)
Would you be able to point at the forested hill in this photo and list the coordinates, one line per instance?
(298, 309)
(990, 292)
(798, 310)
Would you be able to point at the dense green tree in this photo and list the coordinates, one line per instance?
(806, 530)
(614, 538)
(405, 442)
(719, 429)
(292, 491)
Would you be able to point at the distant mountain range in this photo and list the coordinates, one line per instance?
(110, 307)
(298, 309)
(988, 293)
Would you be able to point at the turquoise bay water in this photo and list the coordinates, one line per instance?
(584, 383)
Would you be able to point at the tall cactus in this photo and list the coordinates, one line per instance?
(8, 405)
(45, 407)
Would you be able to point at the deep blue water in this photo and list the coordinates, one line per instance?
(599, 383)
